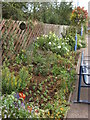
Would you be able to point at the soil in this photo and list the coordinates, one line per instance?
(50, 88)
(36, 81)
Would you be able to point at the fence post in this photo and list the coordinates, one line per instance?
(75, 41)
(81, 29)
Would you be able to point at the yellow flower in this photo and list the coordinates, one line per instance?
(58, 112)
(48, 113)
(61, 109)
(15, 83)
(23, 51)
(65, 101)
(57, 115)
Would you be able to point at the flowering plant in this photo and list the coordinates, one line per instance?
(79, 16)
(21, 95)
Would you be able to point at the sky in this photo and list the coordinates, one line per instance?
(82, 3)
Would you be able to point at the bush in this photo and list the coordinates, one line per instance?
(53, 43)
(14, 83)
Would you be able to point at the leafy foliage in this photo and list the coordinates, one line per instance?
(57, 45)
(79, 15)
(13, 10)
(14, 108)
(46, 12)
(14, 83)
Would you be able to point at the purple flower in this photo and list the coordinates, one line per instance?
(16, 95)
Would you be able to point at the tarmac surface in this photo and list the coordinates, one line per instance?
(80, 110)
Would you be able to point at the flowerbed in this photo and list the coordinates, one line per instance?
(38, 82)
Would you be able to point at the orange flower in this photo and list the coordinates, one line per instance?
(21, 95)
(61, 109)
(29, 108)
(24, 96)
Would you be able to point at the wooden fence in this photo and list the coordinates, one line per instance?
(14, 39)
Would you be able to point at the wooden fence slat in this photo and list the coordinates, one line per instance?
(22, 38)
(2, 24)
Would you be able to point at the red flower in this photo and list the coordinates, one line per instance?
(78, 8)
(73, 11)
(36, 111)
(21, 95)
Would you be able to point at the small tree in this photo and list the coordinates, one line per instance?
(79, 16)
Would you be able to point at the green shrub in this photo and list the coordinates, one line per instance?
(10, 82)
(53, 43)
(21, 57)
(23, 78)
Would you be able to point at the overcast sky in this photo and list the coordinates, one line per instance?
(82, 3)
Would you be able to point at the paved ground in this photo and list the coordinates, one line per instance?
(78, 110)
(89, 89)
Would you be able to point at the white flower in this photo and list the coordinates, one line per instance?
(50, 32)
(59, 46)
(80, 41)
(8, 116)
(5, 116)
(5, 111)
(49, 43)
(46, 35)
(67, 49)
(43, 35)
(14, 114)
(37, 38)
(80, 44)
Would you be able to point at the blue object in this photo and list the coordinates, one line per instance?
(82, 73)
(75, 42)
(81, 30)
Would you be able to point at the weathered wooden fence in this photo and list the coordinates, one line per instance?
(14, 39)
